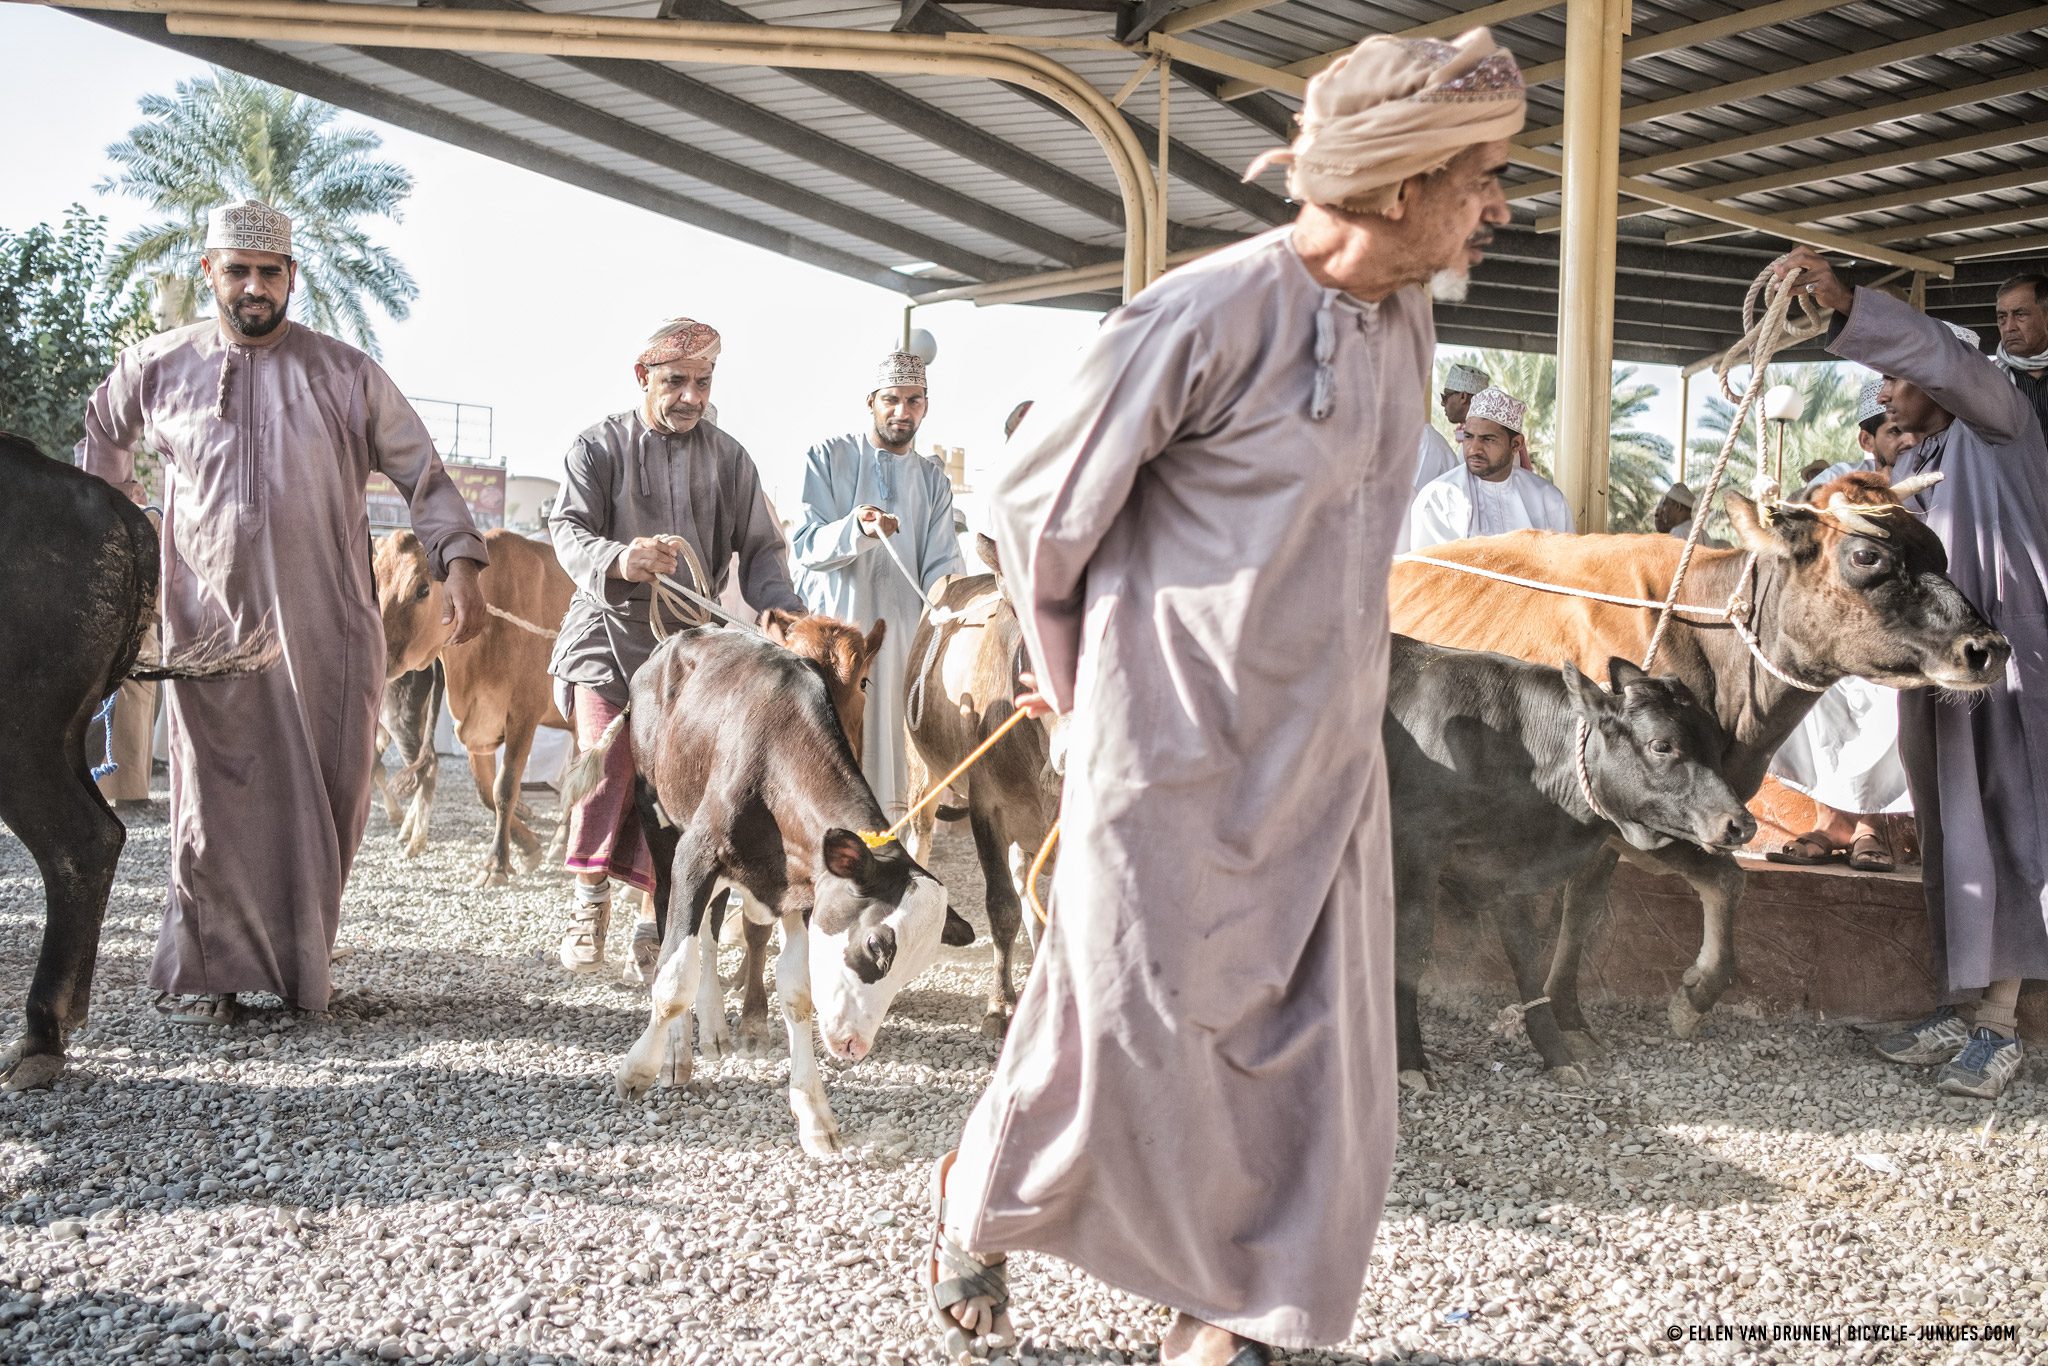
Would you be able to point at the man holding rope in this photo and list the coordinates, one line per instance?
(1196, 1101)
(1978, 773)
(877, 534)
(656, 491)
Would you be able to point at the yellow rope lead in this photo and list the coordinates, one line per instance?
(1052, 837)
(876, 839)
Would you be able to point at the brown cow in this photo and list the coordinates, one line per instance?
(1827, 599)
(497, 685)
(961, 694)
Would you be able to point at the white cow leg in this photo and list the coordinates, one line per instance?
(815, 1126)
(675, 985)
(714, 1037)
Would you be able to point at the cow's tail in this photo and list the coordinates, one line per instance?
(588, 768)
(213, 658)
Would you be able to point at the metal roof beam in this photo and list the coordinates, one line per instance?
(1850, 64)
(473, 78)
(1215, 12)
(1135, 21)
(1856, 121)
(2036, 212)
(1497, 13)
(874, 95)
(1544, 322)
(1740, 24)
(1756, 222)
(1187, 164)
(688, 95)
(264, 64)
(2027, 177)
(1997, 246)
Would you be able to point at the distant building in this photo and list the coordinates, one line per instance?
(529, 499)
(462, 437)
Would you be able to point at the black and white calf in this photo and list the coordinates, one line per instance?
(737, 740)
(1503, 777)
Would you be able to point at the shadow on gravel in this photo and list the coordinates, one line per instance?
(113, 1326)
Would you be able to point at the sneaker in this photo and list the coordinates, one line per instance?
(582, 947)
(1983, 1068)
(639, 969)
(1935, 1039)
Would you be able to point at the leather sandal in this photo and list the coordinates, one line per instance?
(971, 1278)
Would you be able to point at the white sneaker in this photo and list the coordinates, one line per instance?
(583, 946)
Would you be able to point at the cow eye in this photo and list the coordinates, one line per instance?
(421, 594)
(864, 685)
(1864, 557)
(1662, 747)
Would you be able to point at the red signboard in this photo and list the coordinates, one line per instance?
(482, 488)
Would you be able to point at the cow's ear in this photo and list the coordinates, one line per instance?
(873, 644)
(958, 933)
(846, 855)
(1582, 694)
(776, 621)
(985, 546)
(1789, 529)
(1622, 675)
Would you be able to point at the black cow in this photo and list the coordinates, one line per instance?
(739, 741)
(1504, 777)
(78, 584)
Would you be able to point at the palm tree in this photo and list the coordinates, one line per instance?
(1825, 431)
(228, 137)
(1638, 463)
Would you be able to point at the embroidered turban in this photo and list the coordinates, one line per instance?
(1465, 379)
(1868, 410)
(680, 339)
(248, 225)
(1497, 405)
(1681, 495)
(1392, 108)
(898, 367)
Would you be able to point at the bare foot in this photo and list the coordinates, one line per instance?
(977, 1315)
(1191, 1342)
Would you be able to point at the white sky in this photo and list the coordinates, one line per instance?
(534, 295)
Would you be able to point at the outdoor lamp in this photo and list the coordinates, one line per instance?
(1782, 404)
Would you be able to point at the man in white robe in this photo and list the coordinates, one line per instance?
(1492, 493)
(267, 431)
(1674, 511)
(1436, 457)
(875, 535)
(1196, 1101)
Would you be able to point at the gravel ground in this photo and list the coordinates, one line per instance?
(437, 1170)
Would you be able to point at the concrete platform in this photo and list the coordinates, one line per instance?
(1824, 941)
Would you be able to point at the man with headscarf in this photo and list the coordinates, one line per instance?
(1196, 1101)
(2023, 339)
(1878, 433)
(267, 431)
(1436, 458)
(1673, 514)
(657, 490)
(1494, 491)
(876, 534)
(1978, 773)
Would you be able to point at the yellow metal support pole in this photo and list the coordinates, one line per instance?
(1594, 30)
(1916, 294)
(1684, 419)
(1156, 263)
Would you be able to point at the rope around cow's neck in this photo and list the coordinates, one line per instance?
(1761, 340)
(1734, 613)
(877, 838)
(1585, 777)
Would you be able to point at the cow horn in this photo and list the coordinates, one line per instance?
(1906, 488)
(1853, 517)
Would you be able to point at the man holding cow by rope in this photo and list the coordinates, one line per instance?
(646, 494)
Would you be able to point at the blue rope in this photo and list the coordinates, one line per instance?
(106, 715)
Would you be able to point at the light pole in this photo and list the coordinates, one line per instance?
(1782, 404)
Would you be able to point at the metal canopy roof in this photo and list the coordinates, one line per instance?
(1896, 126)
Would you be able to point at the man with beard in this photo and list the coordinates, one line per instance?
(656, 490)
(877, 533)
(2023, 339)
(1494, 491)
(1978, 774)
(267, 431)
(1196, 1101)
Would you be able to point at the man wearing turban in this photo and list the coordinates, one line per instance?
(1436, 458)
(1494, 491)
(876, 535)
(267, 431)
(657, 490)
(1196, 1100)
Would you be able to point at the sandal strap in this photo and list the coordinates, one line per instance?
(972, 1278)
